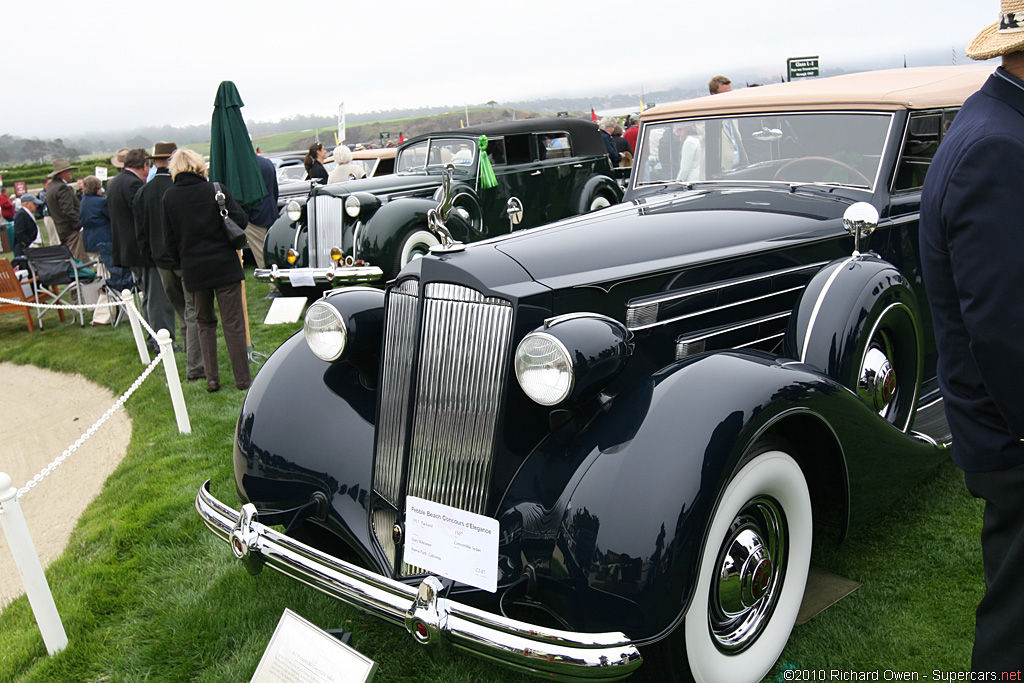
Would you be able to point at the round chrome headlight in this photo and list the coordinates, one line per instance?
(293, 210)
(544, 368)
(353, 206)
(325, 331)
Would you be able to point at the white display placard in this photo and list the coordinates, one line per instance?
(285, 309)
(101, 173)
(451, 542)
(299, 652)
(301, 277)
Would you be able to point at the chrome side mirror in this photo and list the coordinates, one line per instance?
(514, 210)
(860, 220)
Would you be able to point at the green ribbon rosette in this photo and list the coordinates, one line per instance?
(487, 178)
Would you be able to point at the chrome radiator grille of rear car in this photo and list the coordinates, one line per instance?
(325, 229)
(443, 377)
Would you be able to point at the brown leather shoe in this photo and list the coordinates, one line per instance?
(212, 385)
(244, 385)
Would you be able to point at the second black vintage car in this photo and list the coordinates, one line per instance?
(361, 230)
(572, 465)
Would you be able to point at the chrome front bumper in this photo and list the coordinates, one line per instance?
(431, 619)
(328, 276)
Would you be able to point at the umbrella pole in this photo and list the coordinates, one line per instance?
(254, 356)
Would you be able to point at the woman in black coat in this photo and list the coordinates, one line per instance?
(314, 163)
(210, 266)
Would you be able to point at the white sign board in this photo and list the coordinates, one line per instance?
(454, 543)
(299, 652)
(285, 309)
(301, 277)
(101, 173)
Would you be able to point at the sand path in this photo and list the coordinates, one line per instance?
(41, 414)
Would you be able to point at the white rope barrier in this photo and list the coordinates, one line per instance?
(36, 480)
(12, 519)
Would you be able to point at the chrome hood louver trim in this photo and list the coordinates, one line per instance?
(442, 380)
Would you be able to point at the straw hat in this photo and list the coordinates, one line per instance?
(59, 166)
(1004, 36)
(117, 161)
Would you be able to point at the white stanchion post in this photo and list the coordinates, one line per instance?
(163, 338)
(31, 569)
(133, 318)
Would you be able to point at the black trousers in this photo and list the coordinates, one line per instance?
(999, 623)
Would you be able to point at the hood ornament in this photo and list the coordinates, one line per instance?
(437, 216)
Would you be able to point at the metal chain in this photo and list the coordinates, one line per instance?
(32, 483)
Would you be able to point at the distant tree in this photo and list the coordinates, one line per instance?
(491, 103)
(138, 141)
(33, 150)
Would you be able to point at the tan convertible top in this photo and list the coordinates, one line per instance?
(913, 88)
(375, 153)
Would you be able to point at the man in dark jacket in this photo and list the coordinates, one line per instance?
(62, 204)
(152, 242)
(26, 230)
(972, 236)
(121, 191)
(263, 215)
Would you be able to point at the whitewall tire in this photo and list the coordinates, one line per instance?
(415, 244)
(752, 575)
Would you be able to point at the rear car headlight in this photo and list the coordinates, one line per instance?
(544, 369)
(571, 357)
(293, 210)
(346, 324)
(325, 331)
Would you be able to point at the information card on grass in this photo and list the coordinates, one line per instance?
(451, 542)
(299, 652)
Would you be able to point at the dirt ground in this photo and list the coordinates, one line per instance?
(42, 414)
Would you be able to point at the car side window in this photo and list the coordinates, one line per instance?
(924, 133)
(516, 149)
(554, 146)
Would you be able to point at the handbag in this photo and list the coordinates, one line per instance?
(234, 234)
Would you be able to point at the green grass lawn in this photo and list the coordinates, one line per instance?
(146, 593)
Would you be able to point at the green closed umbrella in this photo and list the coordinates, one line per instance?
(232, 159)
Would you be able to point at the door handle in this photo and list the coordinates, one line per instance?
(535, 173)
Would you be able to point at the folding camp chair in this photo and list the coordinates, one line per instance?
(116, 279)
(56, 270)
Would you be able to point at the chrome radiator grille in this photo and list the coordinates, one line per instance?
(326, 229)
(461, 353)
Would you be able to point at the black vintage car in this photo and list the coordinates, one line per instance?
(643, 408)
(361, 230)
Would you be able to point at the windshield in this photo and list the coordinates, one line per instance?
(436, 152)
(833, 148)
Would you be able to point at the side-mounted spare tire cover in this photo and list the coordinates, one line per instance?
(857, 321)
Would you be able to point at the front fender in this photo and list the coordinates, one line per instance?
(381, 235)
(284, 453)
(636, 489)
(281, 238)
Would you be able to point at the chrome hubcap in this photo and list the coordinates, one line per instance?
(751, 566)
(877, 383)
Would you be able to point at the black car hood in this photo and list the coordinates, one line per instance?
(671, 231)
(396, 182)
